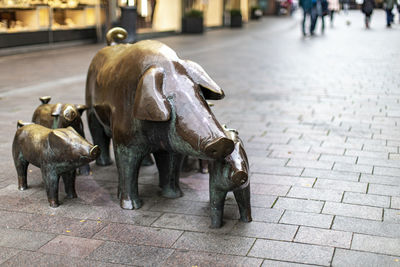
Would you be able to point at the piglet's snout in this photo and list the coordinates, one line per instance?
(219, 148)
(94, 152)
(239, 177)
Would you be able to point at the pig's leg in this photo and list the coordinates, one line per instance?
(51, 179)
(69, 183)
(169, 167)
(242, 197)
(217, 202)
(128, 163)
(22, 166)
(99, 138)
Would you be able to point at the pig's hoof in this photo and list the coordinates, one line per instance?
(71, 196)
(84, 170)
(171, 193)
(103, 161)
(216, 224)
(54, 203)
(22, 187)
(246, 219)
(126, 204)
(137, 203)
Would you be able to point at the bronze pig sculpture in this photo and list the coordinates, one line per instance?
(230, 174)
(61, 116)
(150, 101)
(56, 152)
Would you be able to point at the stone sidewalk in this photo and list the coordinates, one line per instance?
(319, 117)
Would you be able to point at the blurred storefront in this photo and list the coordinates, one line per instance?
(29, 22)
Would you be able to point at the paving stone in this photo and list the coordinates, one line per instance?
(224, 244)
(363, 226)
(383, 245)
(265, 230)
(323, 237)
(267, 161)
(299, 204)
(294, 155)
(307, 219)
(363, 212)
(387, 190)
(389, 149)
(281, 180)
(22, 239)
(66, 226)
(367, 154)
(71, 246)
(310, 164)
(353, 168)
(265, 214)
(7, 253)
(191, 258)
(391, 216)
(315, 194)
(380, 162)
(261, 201)
(394, 156)
(269, 189)
(337, 159)
(277, 170)
(27, 258)
(346, 257)
(379, 179)
(294, 252)
(333, 175)
(387, 171)
(366, 199)
(138, 235)
(327, 150)
(395, 203)
(341, 185)
(271, 263)
(191, 223)
(9, 219)
(291, 148)
(131, 254)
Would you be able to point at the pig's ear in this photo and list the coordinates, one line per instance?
(81, 108)
(56, 139)
(57, 110)
(150, 103)
(210, 89)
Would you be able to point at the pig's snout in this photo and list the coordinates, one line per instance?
(94, 152)
(219, 148)
(239, 178)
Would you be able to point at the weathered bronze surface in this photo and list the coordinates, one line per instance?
(230, 174)
(56, 152)
(61, 116)
(148, 100)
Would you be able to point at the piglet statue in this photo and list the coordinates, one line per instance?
(56, 152)
(230, 174)
(61, 116)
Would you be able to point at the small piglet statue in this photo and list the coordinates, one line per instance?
(61, 116)
(230, 174)
(56, 152)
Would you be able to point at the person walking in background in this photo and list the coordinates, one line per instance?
(319, 10)
(367, 8)
(306, 5)
(389, 4)
(333, 6)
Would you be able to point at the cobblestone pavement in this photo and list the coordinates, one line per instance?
(320, 118)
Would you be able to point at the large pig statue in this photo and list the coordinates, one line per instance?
(56, 152)
(230, 174)
(61, 116)
(150, 101)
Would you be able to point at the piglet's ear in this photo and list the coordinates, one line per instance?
(57, 110)
(210, 89)
(150, 103)
(57, 139)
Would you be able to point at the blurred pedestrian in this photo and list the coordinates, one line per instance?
(306, 5)
(319, 10)
(367, 8)
(389, 4)
(333, 6)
